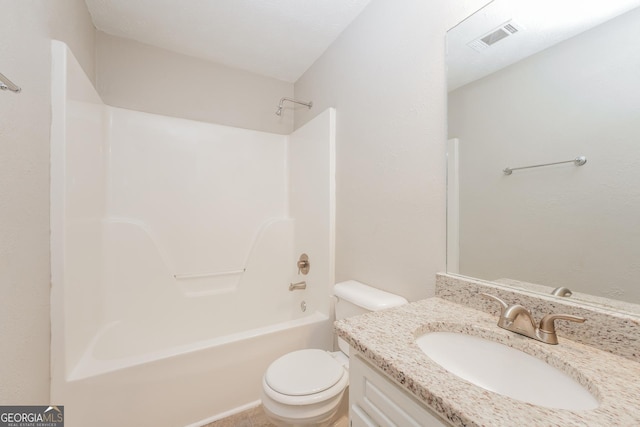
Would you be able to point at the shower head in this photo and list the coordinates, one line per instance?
(280, 105)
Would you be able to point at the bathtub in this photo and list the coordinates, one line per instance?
(173, 244)
(173, 353)
(170, 352)
(191, 384)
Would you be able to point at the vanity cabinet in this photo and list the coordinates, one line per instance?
(375, 400)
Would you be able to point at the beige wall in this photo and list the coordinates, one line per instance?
(385, 75)
(564, 225)
(25, 50)
(70, 22)
(140, 77)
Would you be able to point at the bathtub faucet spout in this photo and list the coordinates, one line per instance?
(299, 285)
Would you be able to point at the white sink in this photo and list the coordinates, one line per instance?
(505, 370)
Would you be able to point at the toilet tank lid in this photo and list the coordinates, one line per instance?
(367, 297)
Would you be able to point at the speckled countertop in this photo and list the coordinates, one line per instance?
(386, 339)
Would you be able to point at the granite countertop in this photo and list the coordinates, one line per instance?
(387, 340)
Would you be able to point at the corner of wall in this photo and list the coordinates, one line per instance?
(70, 22)
(150, 79)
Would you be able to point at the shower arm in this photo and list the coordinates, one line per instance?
(6, 84)
(282, 100)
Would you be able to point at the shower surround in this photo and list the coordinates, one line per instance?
(173, 245)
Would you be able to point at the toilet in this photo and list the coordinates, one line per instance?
(306, 387)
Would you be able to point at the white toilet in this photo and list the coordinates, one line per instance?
(306, 387)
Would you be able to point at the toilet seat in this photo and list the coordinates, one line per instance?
(305, 377)
(303, 372)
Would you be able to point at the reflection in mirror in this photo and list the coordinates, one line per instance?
(530, 85)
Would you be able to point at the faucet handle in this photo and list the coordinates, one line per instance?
(303, 264)
(547, 331)
(503, 305)
(548, 326)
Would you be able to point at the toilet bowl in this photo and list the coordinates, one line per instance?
(306, 387)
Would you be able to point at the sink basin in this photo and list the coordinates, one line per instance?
(505, 370)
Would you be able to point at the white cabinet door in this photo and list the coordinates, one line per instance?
(375, 400)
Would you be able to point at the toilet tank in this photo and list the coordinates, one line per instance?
(354, 298)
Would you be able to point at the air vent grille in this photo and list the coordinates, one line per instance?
(511, 28)
(494, 36)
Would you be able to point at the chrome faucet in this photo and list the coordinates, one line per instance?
(516, 318)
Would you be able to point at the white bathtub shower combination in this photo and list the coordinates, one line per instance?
(173, 246)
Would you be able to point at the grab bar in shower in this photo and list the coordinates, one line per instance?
(578, 161)
(200, 275)
(6, 84)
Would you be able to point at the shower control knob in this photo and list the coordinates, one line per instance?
(303, 264)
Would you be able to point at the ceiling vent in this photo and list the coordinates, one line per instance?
(494, 36)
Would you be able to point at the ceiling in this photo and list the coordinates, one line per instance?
(542, 23)
(275, 38)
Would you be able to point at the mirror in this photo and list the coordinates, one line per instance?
(538, 82)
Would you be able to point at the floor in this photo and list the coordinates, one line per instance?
(255, 418)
